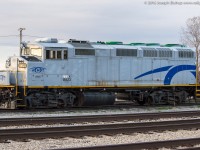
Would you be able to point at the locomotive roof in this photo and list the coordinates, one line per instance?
(63, 45)
(107, 45)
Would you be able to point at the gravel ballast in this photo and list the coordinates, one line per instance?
(101, 140)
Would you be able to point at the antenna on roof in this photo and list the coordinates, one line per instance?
(20, 40)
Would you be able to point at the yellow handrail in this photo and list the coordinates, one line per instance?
(24, 79)
(16, 80)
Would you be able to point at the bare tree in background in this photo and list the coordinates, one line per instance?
(191, 36)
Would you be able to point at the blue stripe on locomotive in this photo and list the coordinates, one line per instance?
(170, 74)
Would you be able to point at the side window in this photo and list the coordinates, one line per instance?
(56, 54)
(47, 54)
(50, 54)
(26, 51)
(65, 54)
(53, 54)
(36, 52)
(59, 54)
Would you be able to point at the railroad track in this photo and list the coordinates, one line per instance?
(96, 130)
(146, 145)
(94, 118)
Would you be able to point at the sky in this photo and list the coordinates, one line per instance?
(128, 21)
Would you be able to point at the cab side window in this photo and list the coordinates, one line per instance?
(47, 54)
(59, 54)
(51, 54)
(56, 54)
(65, 55)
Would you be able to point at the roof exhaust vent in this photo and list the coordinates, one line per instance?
(77, 41)
(47, 40)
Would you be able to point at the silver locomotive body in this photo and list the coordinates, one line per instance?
(59, 74)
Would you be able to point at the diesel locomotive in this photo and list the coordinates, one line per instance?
(50, 73)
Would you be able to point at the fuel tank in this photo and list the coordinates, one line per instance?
(98, 98)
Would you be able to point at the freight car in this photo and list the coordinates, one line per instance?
(57, 74)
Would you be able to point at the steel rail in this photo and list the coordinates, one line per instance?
(102, 126)
(118, 105)
(94, 130)
(144, 145)
(94, 118)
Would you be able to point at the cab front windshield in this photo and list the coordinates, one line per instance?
(32, 52)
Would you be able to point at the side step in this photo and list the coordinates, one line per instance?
(20, 103)
(198, 91)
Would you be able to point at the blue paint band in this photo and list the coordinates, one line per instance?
(154, 71)
(175, 70)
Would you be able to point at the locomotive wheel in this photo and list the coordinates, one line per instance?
(79, 99)
(141, 102)
(177, 100)
(60, 104)
(150, 100)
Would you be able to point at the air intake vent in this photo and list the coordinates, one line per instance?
(174, 45)
(114, 43)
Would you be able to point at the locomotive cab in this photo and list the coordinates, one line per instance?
(32, 53)
(44, 49)
(50, 70)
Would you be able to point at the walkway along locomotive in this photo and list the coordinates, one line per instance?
(51, 73)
